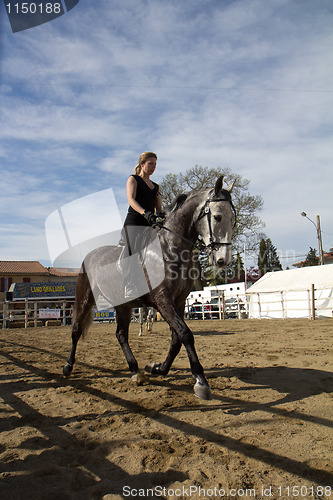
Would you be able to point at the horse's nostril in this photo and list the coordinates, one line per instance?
(220, 262)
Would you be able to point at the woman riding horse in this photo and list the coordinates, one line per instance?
(144, 199)
(208, 213)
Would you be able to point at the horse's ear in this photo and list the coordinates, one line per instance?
(231, 187)
(218, 185)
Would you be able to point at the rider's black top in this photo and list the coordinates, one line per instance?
(146, 197)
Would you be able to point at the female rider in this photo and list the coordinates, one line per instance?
(144, 203)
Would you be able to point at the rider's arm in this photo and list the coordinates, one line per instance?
(131, 187)
(158, 203)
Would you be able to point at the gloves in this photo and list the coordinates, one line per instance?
(150, 218)
(161, 216)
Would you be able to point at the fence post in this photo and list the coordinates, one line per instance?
(282, 305)
(4, 315)
(26, 313)
(313, 304)
(187, 308)
(35, 314)
(259, 305)
(63, 322)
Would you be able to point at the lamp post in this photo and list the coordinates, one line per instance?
(320, 242)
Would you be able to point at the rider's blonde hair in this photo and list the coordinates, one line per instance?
(143, 158)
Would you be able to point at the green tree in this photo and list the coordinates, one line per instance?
(262, 257)
(273, 258)
(268, 259)
(311, 258)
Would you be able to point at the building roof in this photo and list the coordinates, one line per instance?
(22, 267)
(328, 259)
(64, 271)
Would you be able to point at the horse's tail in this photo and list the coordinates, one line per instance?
(85, 321)
(84, 302)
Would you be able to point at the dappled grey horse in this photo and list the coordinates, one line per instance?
(169, 266)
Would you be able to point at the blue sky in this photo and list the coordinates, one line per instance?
(244, 84)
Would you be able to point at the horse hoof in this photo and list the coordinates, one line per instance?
(202, 391)
(153, 368)
(67, 369)
(139, 378)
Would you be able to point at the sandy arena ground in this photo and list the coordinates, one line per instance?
(266, 434)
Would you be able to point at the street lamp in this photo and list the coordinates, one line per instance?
(320, 242)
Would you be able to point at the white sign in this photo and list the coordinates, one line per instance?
(49, 313)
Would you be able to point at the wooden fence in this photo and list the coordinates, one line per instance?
(32, 313)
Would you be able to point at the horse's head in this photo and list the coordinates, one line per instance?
(215, 219)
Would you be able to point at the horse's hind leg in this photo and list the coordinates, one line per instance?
(84, 302)
(123, 321)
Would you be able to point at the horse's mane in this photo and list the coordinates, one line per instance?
(181, 198)
(222, 195)
(177, 202)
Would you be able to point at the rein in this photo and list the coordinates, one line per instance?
(160, 226)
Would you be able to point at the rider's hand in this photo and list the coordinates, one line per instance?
(150, 218)
(161, 215)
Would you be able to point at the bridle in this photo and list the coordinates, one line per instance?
(205, 211)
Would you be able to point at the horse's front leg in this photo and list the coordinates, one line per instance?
(123, 321)
(181, 335)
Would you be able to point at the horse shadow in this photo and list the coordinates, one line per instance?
(212, 332)
(294, 384)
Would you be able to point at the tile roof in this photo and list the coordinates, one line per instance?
(328, 258)
(22, 267)
(63, 271)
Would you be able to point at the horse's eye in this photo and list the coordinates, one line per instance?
(218, 218)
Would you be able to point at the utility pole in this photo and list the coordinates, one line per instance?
(320, 241)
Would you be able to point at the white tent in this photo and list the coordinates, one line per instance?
(296, 293)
